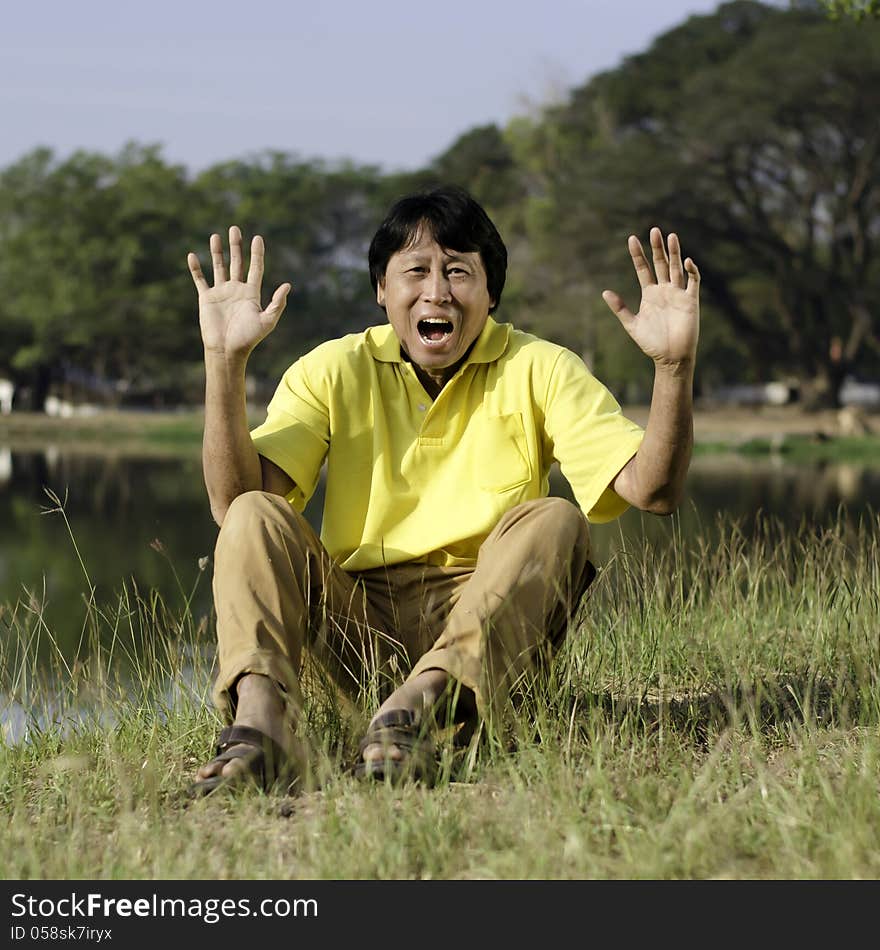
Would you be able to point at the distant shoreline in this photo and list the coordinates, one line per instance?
(180, 431)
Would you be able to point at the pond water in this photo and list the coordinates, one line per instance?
(143, 523)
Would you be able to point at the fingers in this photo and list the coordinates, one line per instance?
(277, 304)
(658, 252)
(217, 259)
(667, 267)
(236, 261)
(693, 281)
(676, 274)
(618, 307)
(195, 269)
(235, 264)
(258, 255)
(640, 262)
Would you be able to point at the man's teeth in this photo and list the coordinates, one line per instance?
(435, 329)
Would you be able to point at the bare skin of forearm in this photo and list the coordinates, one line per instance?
(230, 461)
(653, 480)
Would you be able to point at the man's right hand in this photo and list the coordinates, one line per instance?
(231, 319)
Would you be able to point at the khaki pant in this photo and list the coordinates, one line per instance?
(277, 593)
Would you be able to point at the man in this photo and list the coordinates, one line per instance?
(441, 554)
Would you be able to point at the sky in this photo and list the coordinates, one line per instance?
(386, 82)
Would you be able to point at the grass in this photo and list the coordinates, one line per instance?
(801, 448)
(714, 713)
(169, 426)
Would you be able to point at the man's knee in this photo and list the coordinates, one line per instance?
(562, 512)
(544, 533)
(563, 521)
(247, 518)
(253, 504)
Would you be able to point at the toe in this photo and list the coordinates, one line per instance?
(226, 768)
(206, 771)
(376, 752)
(239, 766)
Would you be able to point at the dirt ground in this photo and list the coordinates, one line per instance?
(740, 424)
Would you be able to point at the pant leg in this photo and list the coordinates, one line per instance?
(277, 592)
(413, 600)
(531, 573)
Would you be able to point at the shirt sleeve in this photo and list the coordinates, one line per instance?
(296, 432)
(591, 439)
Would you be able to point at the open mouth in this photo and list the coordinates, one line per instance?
(435, 330)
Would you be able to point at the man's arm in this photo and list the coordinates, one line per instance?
(653, 479)
(666, 328)
(230, 462)
(232, 324)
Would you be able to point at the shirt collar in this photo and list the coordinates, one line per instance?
(488, 347)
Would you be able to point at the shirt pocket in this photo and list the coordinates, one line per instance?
(502, 456)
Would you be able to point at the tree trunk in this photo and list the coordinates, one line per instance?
(41, 380)
(822, 390)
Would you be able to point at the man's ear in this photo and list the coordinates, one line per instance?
(380, 292)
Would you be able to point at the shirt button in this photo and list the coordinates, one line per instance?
(422, 407)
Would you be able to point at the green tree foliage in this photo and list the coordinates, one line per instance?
(97, 300)
(856, 9)
(90, 270)
(482, 161)
(753, 132)
(317, 221)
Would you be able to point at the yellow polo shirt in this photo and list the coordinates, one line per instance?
(411, 479)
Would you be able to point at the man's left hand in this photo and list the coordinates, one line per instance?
(667, 325)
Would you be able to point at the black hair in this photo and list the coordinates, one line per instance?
(455, 221)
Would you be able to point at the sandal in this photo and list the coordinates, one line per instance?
(266, 761)
(398, 727)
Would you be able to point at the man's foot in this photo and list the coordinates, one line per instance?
(403, 745)
(408, 750)
(259, 747)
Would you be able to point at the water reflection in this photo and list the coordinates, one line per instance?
(729, 487)
(144, 522)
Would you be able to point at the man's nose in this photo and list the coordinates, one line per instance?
(437, 288)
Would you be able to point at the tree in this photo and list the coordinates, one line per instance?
(90, 252)
(753, 132)
(96, 293)
(317, 220)
(856, 9)
(481, 161)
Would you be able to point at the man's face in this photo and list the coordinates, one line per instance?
(436, 300)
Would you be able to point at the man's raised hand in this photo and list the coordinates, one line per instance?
(667, 325)
(230, 316)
